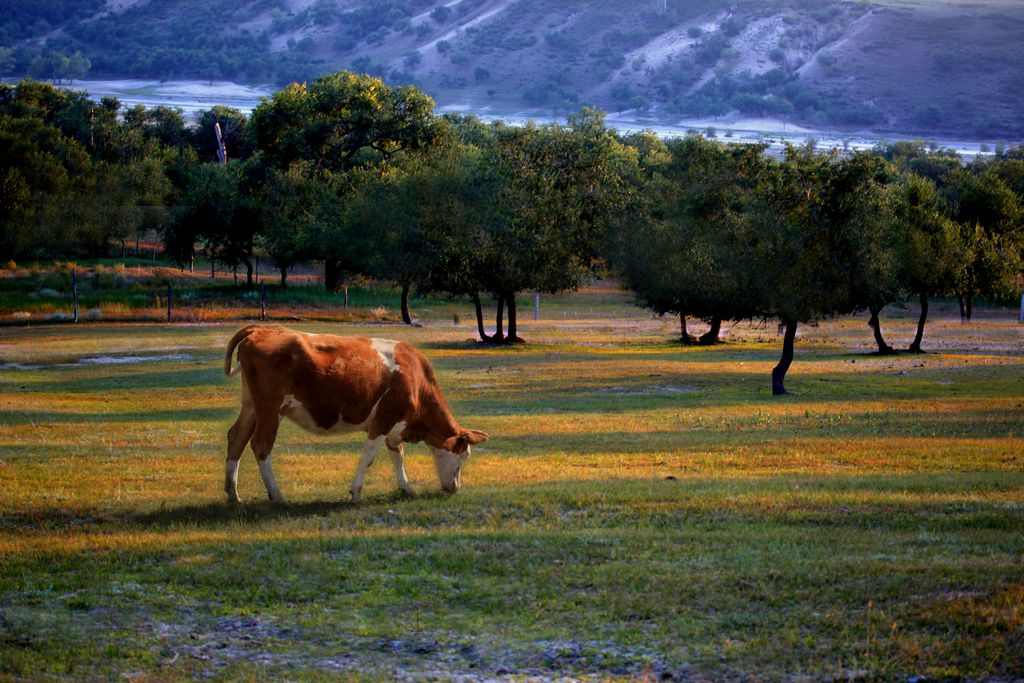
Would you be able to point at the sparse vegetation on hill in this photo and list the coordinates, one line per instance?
(916, 67)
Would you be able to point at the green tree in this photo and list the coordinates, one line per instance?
(988, 214)
(217, 212)
(294, 208)
(557, 189)
(928, 256)
(687, 256)
(234, 131)
(339, 123)
(811, 242)
(408, 216)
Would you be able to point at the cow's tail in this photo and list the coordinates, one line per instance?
(235, 341)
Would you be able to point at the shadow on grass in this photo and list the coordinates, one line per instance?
(21, 417)
(260, 510)
(212, 514)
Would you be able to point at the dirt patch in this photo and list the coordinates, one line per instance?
(673, 43)
(755, 45)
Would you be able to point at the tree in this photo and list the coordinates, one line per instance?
(927, 254)
(689, 255)
(339, 123)
(233, 128)
(78, 66)
(811, 242)
(216, 211)
(294, 208)
(556, 191)
(864, 194)
(411, 215)
(50, 203)
(988, 214)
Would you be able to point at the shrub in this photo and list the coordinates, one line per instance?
(609, 57)
(441, 14)
(929, 115)
(732, 27)
(561, 41)
(443, 46)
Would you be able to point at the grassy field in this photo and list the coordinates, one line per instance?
(641, 511)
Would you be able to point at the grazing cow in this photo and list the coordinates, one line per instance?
(330, 385)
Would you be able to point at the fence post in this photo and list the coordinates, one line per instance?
(168, 301)
(74, 293)
(345, 297)
(263, 301)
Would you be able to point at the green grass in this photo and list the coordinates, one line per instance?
(641, 510)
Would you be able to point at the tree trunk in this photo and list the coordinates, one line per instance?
(248, 271)
(122, 248)
(284, 277)
(484, 337)
(915, 346)
(970, 305)
(711, 336)
(499, 331)
(963, 308)
(513, 336)
(779, 372)
(406, 318)
(332, 274)
(876, 328)
(686, 337)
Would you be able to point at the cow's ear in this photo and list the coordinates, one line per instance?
(456, 444)
(459, 444)
(475, 436)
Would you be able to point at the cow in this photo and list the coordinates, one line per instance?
(330, 385)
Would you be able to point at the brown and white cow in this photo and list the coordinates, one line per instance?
(331, 385)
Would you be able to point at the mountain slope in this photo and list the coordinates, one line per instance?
(913, 67)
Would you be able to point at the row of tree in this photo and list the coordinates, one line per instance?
(365, 179)
(733, 234)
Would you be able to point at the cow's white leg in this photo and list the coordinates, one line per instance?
(267, 472)
(398, 460)
(238, 437)
(369, 453)
(267, 422)
(231, 480)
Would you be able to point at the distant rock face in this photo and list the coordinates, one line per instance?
(922, 67)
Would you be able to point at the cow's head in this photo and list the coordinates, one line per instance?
(452, 455)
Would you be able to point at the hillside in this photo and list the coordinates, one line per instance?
(903, 66)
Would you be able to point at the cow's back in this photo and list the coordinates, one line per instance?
(332, 378)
